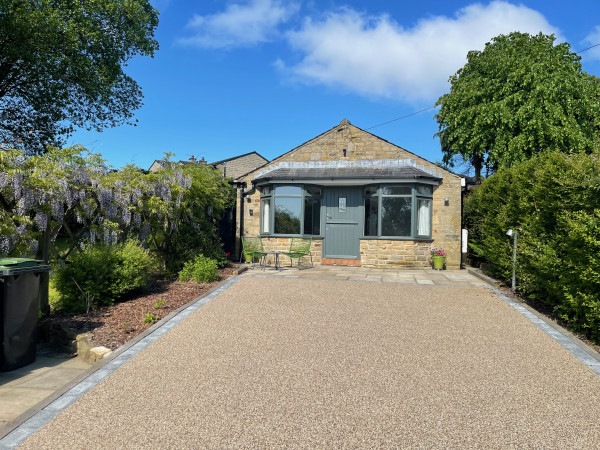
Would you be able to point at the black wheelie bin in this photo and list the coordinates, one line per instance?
(19, 309)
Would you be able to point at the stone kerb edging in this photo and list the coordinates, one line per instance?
(578, 348)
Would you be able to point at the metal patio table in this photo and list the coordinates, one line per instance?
(276, 255)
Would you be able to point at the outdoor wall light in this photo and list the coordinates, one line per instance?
(248, 199)
(251, 212)
(447, 201)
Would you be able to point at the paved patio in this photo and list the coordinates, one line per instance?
(403, 276)
(282, 360)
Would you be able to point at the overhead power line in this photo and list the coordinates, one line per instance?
(431, 107)
(586, 49)
(400, 118)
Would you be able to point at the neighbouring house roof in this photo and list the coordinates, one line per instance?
(230, 167)
(239, 165)
(340, 171)
(161, 163)
(237, 157)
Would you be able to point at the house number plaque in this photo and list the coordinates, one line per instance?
(342, 204)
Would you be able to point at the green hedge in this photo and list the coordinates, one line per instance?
(104, 274)
(553, 201)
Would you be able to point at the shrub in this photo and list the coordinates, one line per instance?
(150, 318)
(553, 201)
(189, 242)
(53, 295)
(201, 269)
(103, 273)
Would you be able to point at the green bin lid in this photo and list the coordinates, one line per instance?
(16, 263)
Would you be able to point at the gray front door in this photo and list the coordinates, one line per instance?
(343, 214)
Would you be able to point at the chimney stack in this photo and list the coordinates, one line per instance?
(192, 159)
(202, 162)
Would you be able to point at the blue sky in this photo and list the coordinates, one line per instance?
(237, 76)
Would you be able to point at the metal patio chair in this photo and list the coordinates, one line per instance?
(253, 247)
(299, 248)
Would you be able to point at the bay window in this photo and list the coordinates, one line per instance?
(296, 210)
(402, 210)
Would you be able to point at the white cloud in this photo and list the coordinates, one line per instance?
(592, 39)
(240, 25)
(376, 57)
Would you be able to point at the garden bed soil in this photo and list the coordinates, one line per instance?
(112, 326)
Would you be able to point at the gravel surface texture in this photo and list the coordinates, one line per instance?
(320, 363)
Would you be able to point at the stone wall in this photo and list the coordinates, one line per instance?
(273, 244)
(72, 343)
(390, 254)
(360, 145)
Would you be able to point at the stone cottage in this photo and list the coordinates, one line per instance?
(363, 201)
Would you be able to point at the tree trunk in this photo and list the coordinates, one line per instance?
(44, 254)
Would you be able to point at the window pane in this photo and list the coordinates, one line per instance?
(265, 209)
(371, 190)
(312, 216)
(287, 215)
(396, 190)
(265, 190)
(425, 190)
(423, 217)
(371, 207)
(314, 191)
(288, 190)
(395, 216)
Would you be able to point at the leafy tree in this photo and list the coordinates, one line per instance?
(61, 67)
(519, 96)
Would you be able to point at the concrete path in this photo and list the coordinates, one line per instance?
(297, 362)
(23, 388)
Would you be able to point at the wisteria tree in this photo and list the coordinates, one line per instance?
(75, 193)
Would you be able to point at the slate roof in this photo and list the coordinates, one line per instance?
(236, 157)
(335, 173)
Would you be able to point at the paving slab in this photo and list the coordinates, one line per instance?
(23, 388)
(322, 363)
(415, 276)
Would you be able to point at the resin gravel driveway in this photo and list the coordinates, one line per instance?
(321, 363)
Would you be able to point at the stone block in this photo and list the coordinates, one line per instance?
(98, 353)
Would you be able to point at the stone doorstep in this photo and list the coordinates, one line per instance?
(340, 262)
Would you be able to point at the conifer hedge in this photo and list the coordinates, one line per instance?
(553, 201)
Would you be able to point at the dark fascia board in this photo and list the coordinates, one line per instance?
(236, 157)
